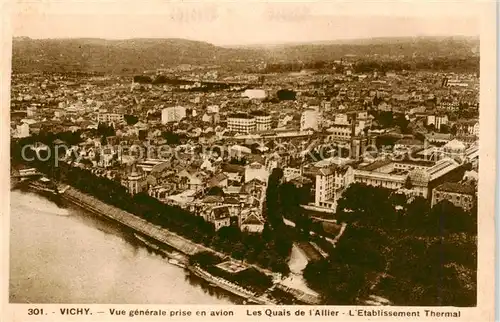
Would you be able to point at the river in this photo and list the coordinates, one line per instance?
(63, 254)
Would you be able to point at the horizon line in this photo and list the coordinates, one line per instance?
(286, 43)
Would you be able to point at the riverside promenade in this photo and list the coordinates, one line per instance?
(162, 235)
(136, 223)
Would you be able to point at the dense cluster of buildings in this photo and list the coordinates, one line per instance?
(212, 151)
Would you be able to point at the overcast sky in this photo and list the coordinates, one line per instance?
(226, 23)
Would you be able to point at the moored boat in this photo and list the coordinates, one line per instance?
(44, 186)
(146, 242)
(176, 263)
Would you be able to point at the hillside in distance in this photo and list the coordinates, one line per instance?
(137, 55)
(429, 47)
(118, 56)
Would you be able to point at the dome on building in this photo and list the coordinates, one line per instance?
(454, 145)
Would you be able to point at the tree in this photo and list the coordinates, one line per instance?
(215, 191)
(204, 259)
(105, 130)
(362, 247)
(104, 141)
(402, 123)
(285, 94)
(385, 119)
(339, 282)
(273, 210)
(445, 217)
(290, 201)
(454, 129)
(230, 234)
(142, 79)
(428, 256)
(444, 129)
(356, 206)
(97, 157)
(131, 119)
(172, 138)
(416, 215)
(408, 184)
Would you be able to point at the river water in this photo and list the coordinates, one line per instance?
(63, 254)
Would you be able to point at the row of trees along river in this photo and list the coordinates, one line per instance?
(269, 250)
(405, 251)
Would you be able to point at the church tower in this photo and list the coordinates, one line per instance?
(136, 181)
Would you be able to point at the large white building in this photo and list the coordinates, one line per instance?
(343, 132)
(330, 183)
(248, 123)
(256, 171)
(386, 174)
(105, 117)
(437, 120)
(254, 94)
(22, 131)
(173, 114)
(262, 120)
(310, 119)
(395, 175)
(241, 123)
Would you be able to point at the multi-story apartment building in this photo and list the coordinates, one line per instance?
(290, 173)
(310, 120)
(461, 195)
(343, 132)
(241, 123)
(362, 118)
(263, 120)
(437, 120)
(330, 183)
(105, 117)
(448, 104)
(173, 114)
(467, 127)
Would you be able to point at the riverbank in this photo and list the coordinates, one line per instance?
(135, 223)
(181, 244)
(110, 264)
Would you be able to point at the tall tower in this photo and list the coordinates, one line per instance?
(355, 144)
(136, 181)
